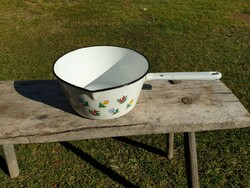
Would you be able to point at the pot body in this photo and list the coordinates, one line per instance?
(107, 104)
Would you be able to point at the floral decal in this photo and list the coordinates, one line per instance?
(114, 111)
(81, 100)
(95, 112)
(123, 99)
(103, 104)
(130, 103)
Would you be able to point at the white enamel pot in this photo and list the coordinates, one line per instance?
(104, 82)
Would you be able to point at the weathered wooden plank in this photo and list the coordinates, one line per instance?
(37, 111)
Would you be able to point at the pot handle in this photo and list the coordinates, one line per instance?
(211, 75)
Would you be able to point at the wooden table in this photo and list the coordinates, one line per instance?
(38, 112)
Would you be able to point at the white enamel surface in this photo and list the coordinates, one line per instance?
(100, 67)
(212, 75)
(106, 104)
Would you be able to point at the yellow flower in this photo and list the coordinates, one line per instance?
(105, 102)
(131, 101)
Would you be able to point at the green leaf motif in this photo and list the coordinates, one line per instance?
(114, 111)
(84, 103)
(101, 105)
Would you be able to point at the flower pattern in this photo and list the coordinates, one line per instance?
(103, 104)
(130, 103)
(123, 99)
(113, 111)
(95, 112)
(84, 103)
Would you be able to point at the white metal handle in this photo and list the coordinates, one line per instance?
(211, 75)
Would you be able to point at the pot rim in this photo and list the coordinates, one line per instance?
(106, 89)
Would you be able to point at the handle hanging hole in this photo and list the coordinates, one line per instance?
(214, 73)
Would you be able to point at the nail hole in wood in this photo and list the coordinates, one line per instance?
(187, 100)
(174, 81)
(147, 87)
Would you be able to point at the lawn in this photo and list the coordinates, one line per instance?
(175, 35)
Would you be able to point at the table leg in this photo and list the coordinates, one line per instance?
(170, 145)
(191, 159)
(10, 158)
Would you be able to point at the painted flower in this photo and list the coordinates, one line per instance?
(113, 111)
(103, 104)
(123, 99)
(84, 103)
(95, 112)
(106, 102)
(130, 103)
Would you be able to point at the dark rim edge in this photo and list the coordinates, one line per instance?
(106, 89)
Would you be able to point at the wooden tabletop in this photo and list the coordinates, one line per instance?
(38, 111)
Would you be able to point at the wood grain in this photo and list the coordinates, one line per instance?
(38, 111)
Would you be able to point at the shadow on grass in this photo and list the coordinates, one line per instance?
(46, 91)
(104, 169)
(141, 145)
(3, 165)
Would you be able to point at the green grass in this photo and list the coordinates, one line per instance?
(180, 35)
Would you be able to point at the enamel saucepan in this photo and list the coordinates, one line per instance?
(104, 82)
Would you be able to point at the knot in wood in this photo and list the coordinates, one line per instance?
(187, 100)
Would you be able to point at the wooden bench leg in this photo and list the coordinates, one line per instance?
(10, 158)
(170, 145)
(191, 159)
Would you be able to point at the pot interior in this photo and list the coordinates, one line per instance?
(101, 67)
